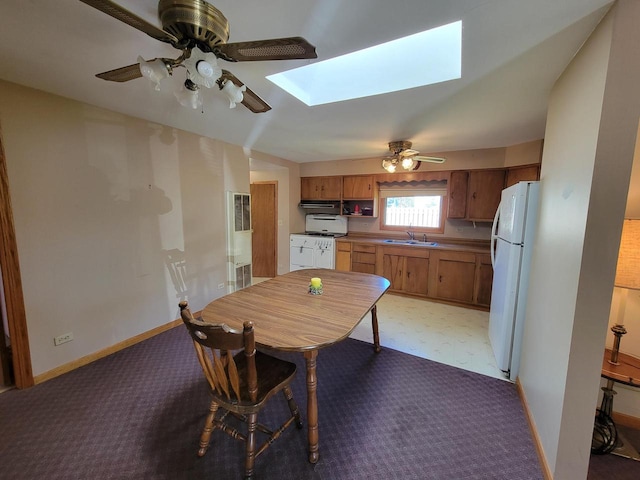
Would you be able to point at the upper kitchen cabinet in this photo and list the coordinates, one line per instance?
(458, 184)
(360, 190)
(522, 174)
(475, 194)
(358, 187)
(321, 188)
(483, 196)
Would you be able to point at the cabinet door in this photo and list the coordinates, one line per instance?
(416, 275)
(483, 198)
(320, 188)
(392, 270)
(455, 276)
(484, 280)
(343, 256)
(521, 174)
(310, 188)
(357, 187)
(458, 183)
(331, 188)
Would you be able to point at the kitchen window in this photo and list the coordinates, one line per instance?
(418, 208)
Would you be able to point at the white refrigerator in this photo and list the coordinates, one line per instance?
(511, 245)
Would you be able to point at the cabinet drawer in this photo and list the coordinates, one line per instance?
(343, 246)
(362, 267)
(368, 258)
(366, 248)
(416, 252)
(458, 256)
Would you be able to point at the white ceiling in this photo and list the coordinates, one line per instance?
(512, 52)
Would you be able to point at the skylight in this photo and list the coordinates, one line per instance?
(424, 58)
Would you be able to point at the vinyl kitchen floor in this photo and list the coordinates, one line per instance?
(446, 334)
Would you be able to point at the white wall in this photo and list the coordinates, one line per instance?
(589, 142)
(101, 202)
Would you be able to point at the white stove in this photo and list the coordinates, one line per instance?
(315, 248)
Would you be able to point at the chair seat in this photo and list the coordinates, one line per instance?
(272, 374)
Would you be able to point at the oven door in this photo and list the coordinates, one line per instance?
(325, 254)
(301, 251)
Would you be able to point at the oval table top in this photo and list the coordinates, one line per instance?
(287, 317)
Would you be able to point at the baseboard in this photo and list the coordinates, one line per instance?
(626, 420)
(534, 433)
(80, 362)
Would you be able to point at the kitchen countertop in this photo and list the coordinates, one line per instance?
(444, 244)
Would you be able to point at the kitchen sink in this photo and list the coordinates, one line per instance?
(412, 242)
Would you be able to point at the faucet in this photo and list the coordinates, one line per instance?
(412, 236)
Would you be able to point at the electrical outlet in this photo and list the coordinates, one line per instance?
(64, 338)
(220, 286)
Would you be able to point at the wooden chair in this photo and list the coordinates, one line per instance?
(241, 384)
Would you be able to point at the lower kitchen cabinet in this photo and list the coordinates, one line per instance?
(406, 269)
(457, 277)
(363, 258)
(453, 276)
(343, 256)
(484, 280)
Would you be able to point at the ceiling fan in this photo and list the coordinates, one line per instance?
(201, 32)
(405, 157)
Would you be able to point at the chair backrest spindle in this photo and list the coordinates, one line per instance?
(214, 346)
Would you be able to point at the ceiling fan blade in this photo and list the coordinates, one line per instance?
(124, 15)
(421, 158)
(249, 99)
(409, 153)
(290, 48)
(123, 74)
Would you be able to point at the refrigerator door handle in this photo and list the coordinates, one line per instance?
(494, 237)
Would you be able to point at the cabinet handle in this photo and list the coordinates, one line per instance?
(440, 278)
(474, 195)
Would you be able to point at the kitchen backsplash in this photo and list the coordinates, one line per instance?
(453, 229)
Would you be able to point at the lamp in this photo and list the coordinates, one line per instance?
(407, 163)
(189, 95)
(154, 70)
(627, 277)
(233, 92)
(202, 71)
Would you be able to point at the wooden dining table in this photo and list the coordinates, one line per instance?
(287, 317)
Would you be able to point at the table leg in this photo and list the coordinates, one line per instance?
(374, 324)
(312, 404)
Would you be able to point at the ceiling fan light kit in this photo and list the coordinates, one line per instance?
(201, 32)
(405, 157)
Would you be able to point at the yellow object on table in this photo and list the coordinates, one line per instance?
(315, 287)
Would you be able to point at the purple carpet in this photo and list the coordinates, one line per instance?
(138, 414)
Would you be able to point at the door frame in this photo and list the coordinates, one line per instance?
(12, 283)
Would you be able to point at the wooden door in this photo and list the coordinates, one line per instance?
(484, 280)
(520, 174)
(483, 196)
(264, 241)
(458, 194)
(416, 275)
(331, 188)
(455, 276)
(392, 270)
(357, 187)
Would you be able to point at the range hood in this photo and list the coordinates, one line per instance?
(316, 204)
